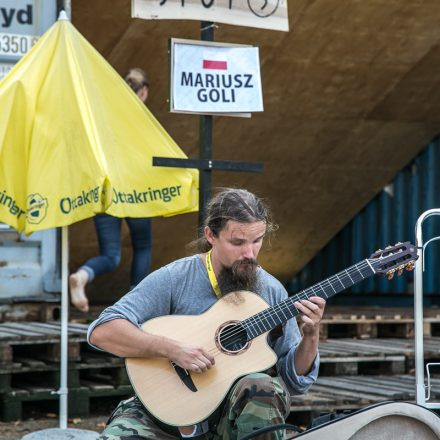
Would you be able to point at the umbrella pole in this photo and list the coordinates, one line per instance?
(63, 391)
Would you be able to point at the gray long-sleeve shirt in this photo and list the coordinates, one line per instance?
(183, 288)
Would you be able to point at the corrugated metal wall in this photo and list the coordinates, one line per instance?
(390, 217)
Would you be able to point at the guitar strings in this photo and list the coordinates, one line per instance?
(286, 304)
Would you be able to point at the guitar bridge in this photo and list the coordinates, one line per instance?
(185, 377)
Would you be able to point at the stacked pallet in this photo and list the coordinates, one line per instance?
(30, 369)
(367, 356)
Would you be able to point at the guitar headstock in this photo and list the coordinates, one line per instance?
(394, 259)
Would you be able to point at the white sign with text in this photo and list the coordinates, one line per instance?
(266, 14)
(213, 78)
(21, 24)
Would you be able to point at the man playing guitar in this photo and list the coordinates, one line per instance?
(236, 225)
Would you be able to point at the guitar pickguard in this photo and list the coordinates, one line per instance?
(185, 377)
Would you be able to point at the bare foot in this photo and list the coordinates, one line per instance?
(77, 284)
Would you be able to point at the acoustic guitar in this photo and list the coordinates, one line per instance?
(235, 331)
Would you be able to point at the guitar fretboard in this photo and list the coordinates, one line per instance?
(280, 313)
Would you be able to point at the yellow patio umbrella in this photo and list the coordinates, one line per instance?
(75, 141)
(74, 138)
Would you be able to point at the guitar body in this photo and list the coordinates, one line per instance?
(164, 393)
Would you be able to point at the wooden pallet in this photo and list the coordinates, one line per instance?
(17, 333)
(344, 393)
(93, 377)
(40, 340)
(377, 312)
(29, 357)
(13, 402)
(374, 322)
(30, 354)
(373, 356)
(41, 311)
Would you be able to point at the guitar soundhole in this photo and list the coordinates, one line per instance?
(231, 338)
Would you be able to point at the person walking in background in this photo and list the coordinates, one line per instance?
(108, 229)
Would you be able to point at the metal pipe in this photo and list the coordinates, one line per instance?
(63, 391)
(68, 8)
(418, 311)
(64, 14)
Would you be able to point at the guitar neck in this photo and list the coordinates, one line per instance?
(280, 313)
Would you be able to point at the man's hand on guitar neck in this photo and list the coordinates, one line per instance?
(311, 314)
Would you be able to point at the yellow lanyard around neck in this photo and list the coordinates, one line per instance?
(211, 275)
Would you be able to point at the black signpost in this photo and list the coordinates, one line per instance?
(205, 164)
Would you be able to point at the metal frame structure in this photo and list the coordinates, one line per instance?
(422, 391)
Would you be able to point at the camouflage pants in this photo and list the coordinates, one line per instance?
(256, 400)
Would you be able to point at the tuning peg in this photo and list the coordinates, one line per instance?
(389, 247)
(397, 244)
(410, 266)
(399, 272)
(390, 274)
(379, 250)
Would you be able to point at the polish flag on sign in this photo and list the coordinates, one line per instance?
(215, 79)
(215, 64)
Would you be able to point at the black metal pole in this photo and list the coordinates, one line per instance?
(205, 146)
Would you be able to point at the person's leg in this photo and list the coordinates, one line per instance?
(130, 421)
(257, 400)
(77, 284)
(108, 230)
(140, 232)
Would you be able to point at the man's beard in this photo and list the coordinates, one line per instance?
(242, 275)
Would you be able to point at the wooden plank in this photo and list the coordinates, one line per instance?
(376, 312)
(24, 327)
(333, 351)
(375, 382)
(105, 358)
(20, 330)
(357, 386)
(375, 320)
(45, 328)
(311, 398)
(8, 336)
(73, 329)
(32, 363)
(97, 386)
(337, 396)
(363, 359)
(390, 382)
(40, 390)
(7, 332)
(331, 388)
(375, 345)
(337, 393)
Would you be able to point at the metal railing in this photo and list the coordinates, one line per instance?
(423, 392)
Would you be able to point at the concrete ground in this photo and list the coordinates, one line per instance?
(16, 430)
